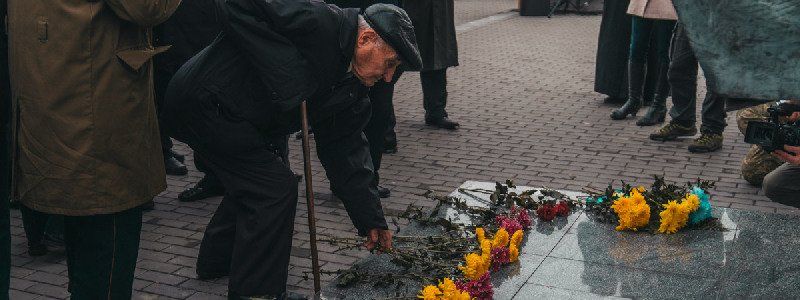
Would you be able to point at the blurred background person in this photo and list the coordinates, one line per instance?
(651, 19)
(434, 25)
(192, 27)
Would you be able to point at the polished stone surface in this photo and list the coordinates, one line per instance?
(752, 255)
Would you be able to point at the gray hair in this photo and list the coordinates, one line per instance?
(364, 25)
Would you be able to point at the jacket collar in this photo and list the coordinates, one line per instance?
(348, 31)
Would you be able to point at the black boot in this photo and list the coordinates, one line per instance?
(657, 112)
(207, 187)
(635, 85)
(174, 167)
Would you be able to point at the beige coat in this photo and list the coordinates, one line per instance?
(653, 9)
(85, 131)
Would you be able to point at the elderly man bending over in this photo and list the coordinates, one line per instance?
(236, 100)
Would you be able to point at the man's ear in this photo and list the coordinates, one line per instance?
(367, 36)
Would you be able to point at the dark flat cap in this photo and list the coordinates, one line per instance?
(394, 26)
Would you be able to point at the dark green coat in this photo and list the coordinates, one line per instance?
(434, 25)
(5, 161)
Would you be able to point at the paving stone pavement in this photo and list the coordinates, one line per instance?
(523, 95)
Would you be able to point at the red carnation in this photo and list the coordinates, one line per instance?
(546, 212)
(480, 289)
(509, 224)
(522, 217)
(500, 256)
(562, 209)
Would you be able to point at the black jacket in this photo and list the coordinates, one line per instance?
(272, 55)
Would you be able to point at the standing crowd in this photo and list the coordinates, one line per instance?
(97, 91)
(644, 56)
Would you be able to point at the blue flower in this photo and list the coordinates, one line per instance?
(704, 211)
(598, 200)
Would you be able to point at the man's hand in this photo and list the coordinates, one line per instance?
(789, 154)
(379, 237)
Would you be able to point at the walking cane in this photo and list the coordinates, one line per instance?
(312, 222)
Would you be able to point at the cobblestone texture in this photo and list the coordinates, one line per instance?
(523, 95)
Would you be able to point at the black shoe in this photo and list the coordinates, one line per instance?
(443, 123)
(200, 191)
(384, 192)
(211, 275)
(180, 157)
(656, 114)
(629, 108)
(37, 249)
(175, 167)
(390, 149)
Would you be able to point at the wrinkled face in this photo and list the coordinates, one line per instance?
(374, 59)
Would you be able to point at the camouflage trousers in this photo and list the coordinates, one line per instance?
(757, 163)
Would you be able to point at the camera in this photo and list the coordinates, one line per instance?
(774, 134)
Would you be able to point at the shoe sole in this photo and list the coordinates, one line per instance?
(704, 150)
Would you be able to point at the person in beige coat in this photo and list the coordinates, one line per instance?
(85, 137)
(651, 19)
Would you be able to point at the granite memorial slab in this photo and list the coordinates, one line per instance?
(751, 254)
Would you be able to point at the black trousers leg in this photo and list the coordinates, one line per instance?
(682, 76)
(35, 224)
(381, 103)
(216, 249)
(390, 139)
(209, 179)
(261, 196)
(434, 90)
(101, 254)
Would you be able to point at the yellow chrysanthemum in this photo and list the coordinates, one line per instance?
(486, 247)
(430, 292)
(475, 266)
(516, 238)
(513, 253)
(633, 211)
(692, 201)
(500, 238)
(450, 291)
(674, 216)
(480, 234)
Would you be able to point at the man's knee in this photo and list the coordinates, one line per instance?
(778, 187)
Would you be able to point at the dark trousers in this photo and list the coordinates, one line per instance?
(250, 234)
(683, 81)
(649, 41)
(782, 185)
(37, 225)
(380, 122)
(434, 93)
(101, 254)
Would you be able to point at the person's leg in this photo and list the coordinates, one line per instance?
(208, 186)
(214, 257)
(662, 34)
(260, 188)
(101, 254)
(390, 139)
(380, 102)
(682, 78)
(434, 90)
(783, 185)
(757, 164)
(640, 40)
(34, 223)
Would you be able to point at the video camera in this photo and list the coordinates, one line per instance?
(774, 134)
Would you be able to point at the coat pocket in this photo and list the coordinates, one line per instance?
(41, 29)
(136, 58)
